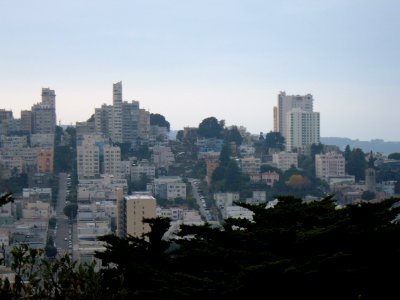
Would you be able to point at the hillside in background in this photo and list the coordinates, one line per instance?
(376, 145)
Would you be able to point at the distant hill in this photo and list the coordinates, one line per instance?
(367, 146)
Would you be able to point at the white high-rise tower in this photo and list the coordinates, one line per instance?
(295, 120)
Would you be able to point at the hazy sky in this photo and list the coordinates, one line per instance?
(190, 60)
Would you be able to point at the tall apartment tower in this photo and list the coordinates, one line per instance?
(131, 211)
(44, 113)
(26, 121)
(302, 129)
(144, 124)
(130, 121)
(48, 97)
(296, 110)
(103, 119)
(117, 113)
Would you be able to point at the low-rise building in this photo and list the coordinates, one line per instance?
(285, 160)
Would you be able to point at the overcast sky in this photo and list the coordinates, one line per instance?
(190, 60)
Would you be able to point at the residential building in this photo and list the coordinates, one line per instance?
(117, 113)
(302, 129)
(250, 165)
(45, 161)
(169, 187)
(143, 167)
(132, 210)
(329, 165)
(162, 157)
(26, 121)
(130, 121)
(285, 160)
(226, 199)
(112, 160)
(88, 161)
(44, 113)
(144, 124)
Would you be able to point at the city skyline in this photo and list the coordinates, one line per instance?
(189, 61)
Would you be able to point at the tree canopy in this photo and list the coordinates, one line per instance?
(211, 128)
(159, 120)
(294, 250)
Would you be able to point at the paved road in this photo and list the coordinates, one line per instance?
(63, 228)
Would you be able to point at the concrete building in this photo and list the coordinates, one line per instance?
(162, 157)
(223, 200)
(88, 161)
(104, 188)
(130, 121)
(144, 124)
(103, 120)
(144, 167)
(117, 113)
(268, 178)
(44, 113)
(295, 120)
(42, 140)
(329, 165)
(26, 121)
(285, 104)
(250, 165)
(169, 187)
(131, 211)
(302, 129)
(45, 161)
(112, 161)
(285, 160)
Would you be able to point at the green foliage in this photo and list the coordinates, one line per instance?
(368, 195)
(274, 140)
(356, 164)
(159, 120)
(15, 183)
(295, 250)
(38, 278)
(232, 177)
(225, 155)
(211, 128)
(58, 135)
(233, 135)
(71, 210)
(269, 168)
(52, 222)
(200, 169)
(395, 156)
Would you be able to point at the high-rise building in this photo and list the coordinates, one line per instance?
(302, 129)
(26, 121)
(44, 113)
(295, 120)
(117, 113)
(131, 211)
(103, 118)
(130, 121)
(144, 124)
(48, 97)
